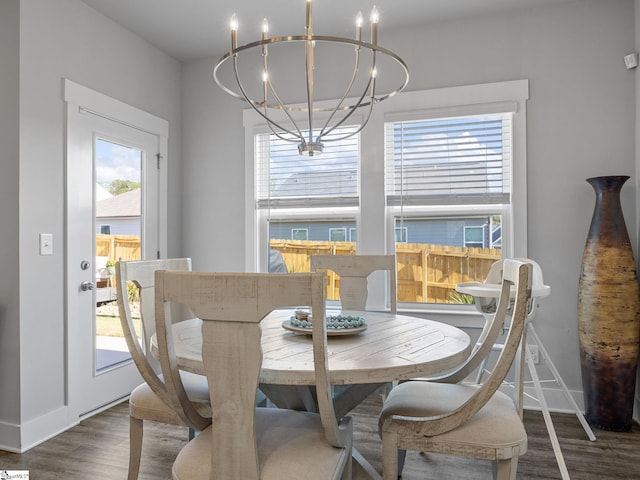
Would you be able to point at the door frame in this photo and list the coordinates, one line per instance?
(86, 100)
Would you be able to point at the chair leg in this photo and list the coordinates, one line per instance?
(347, 474)
(390, 456)
(135, 447)
(506, 469)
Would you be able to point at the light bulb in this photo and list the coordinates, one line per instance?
(374, 15)
(234, 31)
(358, 26)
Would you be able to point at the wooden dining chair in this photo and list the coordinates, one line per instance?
(354, 271)
(149, 401)
(244, 442)
(447, 417)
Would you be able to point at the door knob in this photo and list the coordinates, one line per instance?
(85, 286)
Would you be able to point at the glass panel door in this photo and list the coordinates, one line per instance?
(118, 221)
(114, 198)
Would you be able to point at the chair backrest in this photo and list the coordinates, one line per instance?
(142, 274)
(231, 306)
(516, 274)
(354, 271)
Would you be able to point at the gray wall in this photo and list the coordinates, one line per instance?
(581, 123)
(9, 190)
(213, 177)
(637, 180)
(57, 38)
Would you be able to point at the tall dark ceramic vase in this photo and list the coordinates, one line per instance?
(608, 312)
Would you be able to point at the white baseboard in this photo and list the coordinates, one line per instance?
(20, 438)
(10, 437)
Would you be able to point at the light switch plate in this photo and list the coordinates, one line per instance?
(46, 244)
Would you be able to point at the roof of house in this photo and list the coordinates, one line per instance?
(123, 205)
(101, 193)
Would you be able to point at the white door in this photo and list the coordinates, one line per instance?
(114, 212)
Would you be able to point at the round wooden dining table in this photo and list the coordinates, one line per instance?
(392, 347)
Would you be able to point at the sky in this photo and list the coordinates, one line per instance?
(116, 162)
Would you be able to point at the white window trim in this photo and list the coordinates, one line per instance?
(466, 100)
(374, 228)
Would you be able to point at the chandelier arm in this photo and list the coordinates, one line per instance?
(371, 83)
(255, 105)
(309, 78)
(352, 108)
(356, 66)
(270, 122)
(281, 136)
(358, 130)
(309, 46)
(299, 135)
(321, 38)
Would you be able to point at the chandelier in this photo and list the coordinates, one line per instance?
(361, 87)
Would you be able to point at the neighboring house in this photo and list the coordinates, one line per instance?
(119, 214)
(461, 232)
(338, 183)
(101, 193)
(314, 185)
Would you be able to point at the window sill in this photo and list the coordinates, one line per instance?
(462, 318)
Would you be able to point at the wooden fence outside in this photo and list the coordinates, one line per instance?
(426, 273)
(118, 247)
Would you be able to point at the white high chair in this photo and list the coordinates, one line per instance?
(485, 295)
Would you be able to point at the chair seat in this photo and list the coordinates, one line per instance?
(291, 446)
(146, 404)
(492, 433)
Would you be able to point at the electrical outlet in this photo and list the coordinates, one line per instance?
(535, 353)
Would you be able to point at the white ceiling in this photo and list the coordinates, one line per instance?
(192, 29)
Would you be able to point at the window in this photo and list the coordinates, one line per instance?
(304, 202)
(442, 168)
(105, 229)
(299, 234)
(338, 234)
(458, 164)
(474, 237)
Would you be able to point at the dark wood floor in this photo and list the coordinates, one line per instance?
(97, 449)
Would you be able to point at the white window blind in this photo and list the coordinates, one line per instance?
(286, 179)
(449, 161)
